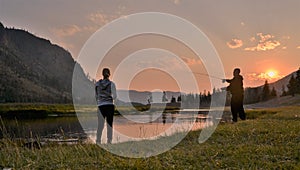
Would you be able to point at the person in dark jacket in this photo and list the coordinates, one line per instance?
(105, 96)
(237, 95)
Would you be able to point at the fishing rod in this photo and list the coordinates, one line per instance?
(204, 74)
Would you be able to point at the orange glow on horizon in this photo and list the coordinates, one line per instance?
(154, 79)
(272, 74)
(258, 78)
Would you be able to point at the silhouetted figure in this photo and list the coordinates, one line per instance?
(105, 96)
(173, 100)
(150, 100)
(164, 97)
(164, 118)
(237, 91)
(179, 99)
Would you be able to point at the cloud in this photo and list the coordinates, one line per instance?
(261, 77)
(66, 31)
(90, 28)
(191, 61)
(71, 37)
(284, 48)
(235, 43)
(298, 47)
(286, 37)
(176, 2)
(264, 43)
(265, 76)
(251, 76)
(100, 18)
(252, 39)
(160, 62)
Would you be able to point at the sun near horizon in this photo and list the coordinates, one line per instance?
(272, 74)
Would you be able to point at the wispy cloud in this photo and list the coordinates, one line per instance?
(160, 62)
(251, 77)
(191, 61)
(262, 77)
(234, 43)
(298, 47)
(74, 35)
(176, 2)
(96, 20)
(100, 18)
(66, 31)
(263, 42)
(286, 37)
(252, 39)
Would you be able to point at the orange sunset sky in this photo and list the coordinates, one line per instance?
(262, 37)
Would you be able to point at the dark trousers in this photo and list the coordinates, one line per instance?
(237, 107)
(106, 112)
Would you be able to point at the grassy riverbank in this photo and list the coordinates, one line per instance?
(32, 111)
(269, 140)
(40, 110)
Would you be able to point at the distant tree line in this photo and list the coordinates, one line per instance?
(191, 100)
(251, 95)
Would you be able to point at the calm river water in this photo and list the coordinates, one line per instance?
(126, 128)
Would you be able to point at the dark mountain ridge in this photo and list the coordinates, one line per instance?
(32, 69)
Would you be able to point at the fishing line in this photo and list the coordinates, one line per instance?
(204, 74)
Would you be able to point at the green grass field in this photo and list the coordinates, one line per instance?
(270, 139)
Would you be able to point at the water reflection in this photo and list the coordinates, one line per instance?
(51, 128)
(68, 128)
(165, 125)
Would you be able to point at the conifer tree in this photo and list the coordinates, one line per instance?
(292, 86)
(273, 93)
(298, 81)
(284, 93)
(266, 92)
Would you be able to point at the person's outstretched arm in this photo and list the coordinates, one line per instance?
(228, 80)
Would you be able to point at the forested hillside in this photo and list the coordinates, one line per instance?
(32, 69)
